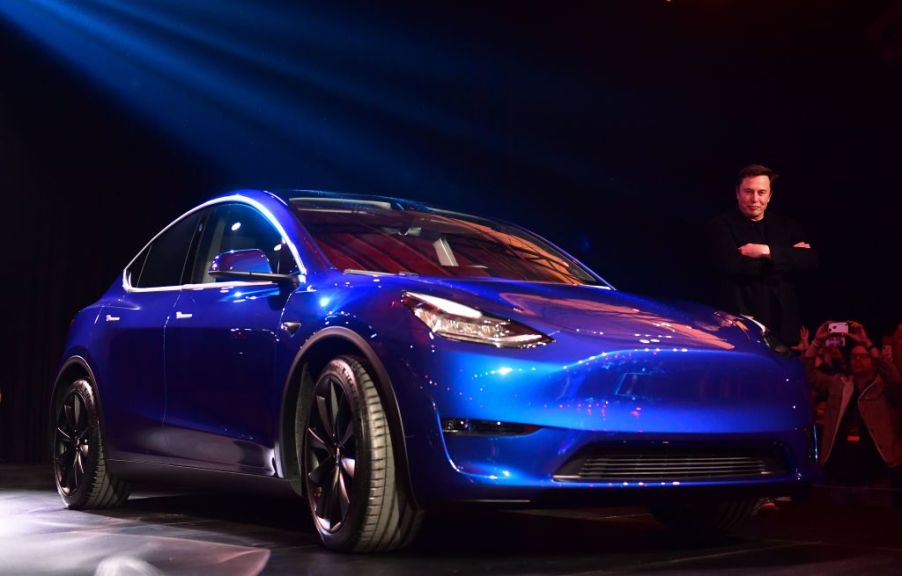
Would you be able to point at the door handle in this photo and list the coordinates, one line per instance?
(182, 315)
(111, 318)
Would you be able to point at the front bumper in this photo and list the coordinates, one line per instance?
(697, 402)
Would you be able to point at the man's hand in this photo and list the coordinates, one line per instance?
(804, 335)
(858, 334)
(755, 250)
(802, 245)
(804, 343)
(820, 335)
(822, 332)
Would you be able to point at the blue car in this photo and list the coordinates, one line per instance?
(383, 358)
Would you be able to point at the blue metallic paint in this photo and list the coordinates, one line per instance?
(620, 369)
(220, 346)
(127, 352)
(570, 388)
(241, 261)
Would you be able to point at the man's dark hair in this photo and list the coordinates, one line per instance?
(753, 170)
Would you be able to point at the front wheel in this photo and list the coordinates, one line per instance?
(351, 478)
(83, 479)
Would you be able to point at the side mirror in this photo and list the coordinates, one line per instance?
(251, 264)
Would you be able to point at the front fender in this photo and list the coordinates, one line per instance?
(323, 345)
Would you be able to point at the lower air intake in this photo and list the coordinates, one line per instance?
(673, 464)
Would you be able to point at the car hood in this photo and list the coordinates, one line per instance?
(595, 312)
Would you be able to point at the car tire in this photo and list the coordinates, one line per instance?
(707, 518)
(80, 469)
(350, 474)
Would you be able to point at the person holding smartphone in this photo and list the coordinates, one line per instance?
(862, 439)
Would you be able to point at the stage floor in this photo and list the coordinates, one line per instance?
(217, 534)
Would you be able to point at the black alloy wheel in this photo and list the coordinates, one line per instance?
(346, 452)
(331, 442)
(72, 442)
(83, 479)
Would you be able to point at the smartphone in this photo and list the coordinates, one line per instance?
(838, 327)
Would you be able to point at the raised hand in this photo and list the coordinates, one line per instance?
(858, 334)
(822, 332)
(803, 340)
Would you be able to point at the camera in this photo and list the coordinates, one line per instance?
(838, 328)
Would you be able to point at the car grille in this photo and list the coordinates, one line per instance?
(673, 464)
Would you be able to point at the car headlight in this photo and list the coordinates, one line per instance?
(459, 322)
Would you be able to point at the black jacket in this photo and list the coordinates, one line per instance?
(760, 287)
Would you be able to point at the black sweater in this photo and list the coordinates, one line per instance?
(761, 287)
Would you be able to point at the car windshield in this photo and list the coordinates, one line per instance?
(373, 237)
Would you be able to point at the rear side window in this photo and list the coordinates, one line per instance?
(163, 262)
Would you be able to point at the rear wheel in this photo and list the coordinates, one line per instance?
(707, 518)
(82, 477)
(354, 494)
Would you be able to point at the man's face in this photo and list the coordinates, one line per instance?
(860, 362)
(753, 194)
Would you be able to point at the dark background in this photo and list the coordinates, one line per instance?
(614, 129)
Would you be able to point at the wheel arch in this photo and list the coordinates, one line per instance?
(75, 365)
(316, 352)
(98, 489)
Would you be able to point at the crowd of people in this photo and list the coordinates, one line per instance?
(856, 388)
(856, 385)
